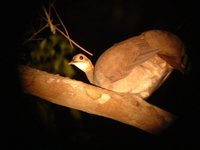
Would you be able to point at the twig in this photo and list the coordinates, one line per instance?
(73, 41)
(67, 33)
(51, 25)
(53, 28)
(31, 38)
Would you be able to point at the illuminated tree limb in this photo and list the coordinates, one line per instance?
(128, 109)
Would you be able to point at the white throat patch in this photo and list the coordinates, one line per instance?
(82, 66)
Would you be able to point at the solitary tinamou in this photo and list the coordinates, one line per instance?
(138, 65)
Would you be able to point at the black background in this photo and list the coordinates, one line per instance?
(96, 25)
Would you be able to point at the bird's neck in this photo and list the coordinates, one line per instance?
(90, 74)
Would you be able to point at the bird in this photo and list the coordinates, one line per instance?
(138, 65)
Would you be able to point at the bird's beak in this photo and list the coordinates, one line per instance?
(71, 62)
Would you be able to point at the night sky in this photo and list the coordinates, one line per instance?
(97, 25)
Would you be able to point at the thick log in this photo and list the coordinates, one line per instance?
(125, 108)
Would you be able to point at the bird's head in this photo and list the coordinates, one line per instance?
(82, 62)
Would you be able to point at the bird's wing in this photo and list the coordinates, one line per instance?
(119, 60)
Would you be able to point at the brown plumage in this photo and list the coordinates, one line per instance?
(138, 65)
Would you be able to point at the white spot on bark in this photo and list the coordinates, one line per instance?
(72, 84)
(104, 98)
(50, 80)
(65, 81)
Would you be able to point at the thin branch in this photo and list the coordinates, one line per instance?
(53, 29)
(73, 41)
(31, 38)
(65, 29)
(51, 25)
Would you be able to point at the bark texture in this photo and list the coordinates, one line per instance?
(126, 108)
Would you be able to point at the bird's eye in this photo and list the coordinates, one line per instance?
(81, 57)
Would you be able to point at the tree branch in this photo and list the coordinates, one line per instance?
(125, 108)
